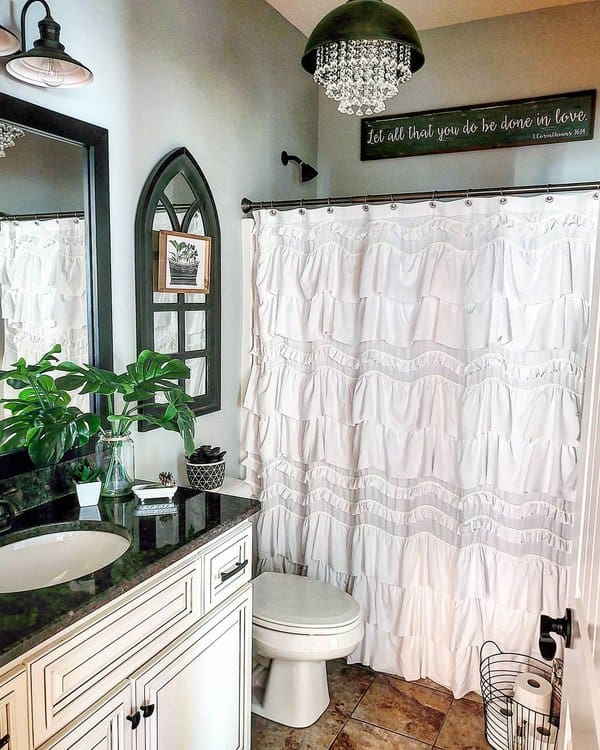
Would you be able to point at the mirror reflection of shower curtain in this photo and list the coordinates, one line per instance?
(43, 291)
(413, 416)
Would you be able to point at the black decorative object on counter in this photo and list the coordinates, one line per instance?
(206, 468)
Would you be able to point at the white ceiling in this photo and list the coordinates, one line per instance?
(424, 14)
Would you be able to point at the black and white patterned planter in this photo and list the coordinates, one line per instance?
(206, 476)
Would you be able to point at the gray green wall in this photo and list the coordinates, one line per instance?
(41, 175)
(530, 54)
(220, 77)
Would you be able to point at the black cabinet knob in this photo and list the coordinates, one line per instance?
(562, 626)
(147, 710)
(135, 720)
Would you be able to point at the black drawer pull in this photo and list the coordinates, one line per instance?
(239, 567)
(5, 740)
(135, 720)
(147, 710)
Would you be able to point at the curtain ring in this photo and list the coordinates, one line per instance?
(432, 202)
(596, 195)
(468, 201)
(329, 206)
(393, 205)
(549, 198)
(301, 210)
(365, 206)
(502, 198)
(273, 212)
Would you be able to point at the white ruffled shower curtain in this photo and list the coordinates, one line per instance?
(43, 291)
(413, 416)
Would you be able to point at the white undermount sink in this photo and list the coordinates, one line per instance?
(53, 557)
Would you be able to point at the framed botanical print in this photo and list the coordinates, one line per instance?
(183, 263)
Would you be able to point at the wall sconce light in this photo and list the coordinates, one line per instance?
(9, 44)
(46, 64)
(307, 173)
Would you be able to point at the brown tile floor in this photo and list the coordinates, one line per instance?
(372, 711)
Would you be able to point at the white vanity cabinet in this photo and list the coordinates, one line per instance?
(13, 711)
(165, 666)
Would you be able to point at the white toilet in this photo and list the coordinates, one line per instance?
(298, 625)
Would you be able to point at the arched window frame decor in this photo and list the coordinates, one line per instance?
(146, 256)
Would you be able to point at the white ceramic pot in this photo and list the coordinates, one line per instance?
(88, 493)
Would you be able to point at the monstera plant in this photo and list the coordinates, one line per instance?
(43, 420)
(41, 417)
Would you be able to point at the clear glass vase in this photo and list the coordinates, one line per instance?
(116, 458)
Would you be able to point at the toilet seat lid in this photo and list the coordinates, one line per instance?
(296, 601)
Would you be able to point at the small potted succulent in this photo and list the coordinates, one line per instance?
(88, 484)
(206, 468)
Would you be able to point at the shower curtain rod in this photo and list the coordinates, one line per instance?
(43, 217)
(248, 206)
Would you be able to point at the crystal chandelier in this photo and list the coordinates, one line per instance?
(8, 135)
(361, 52)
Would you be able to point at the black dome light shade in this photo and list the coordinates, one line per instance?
(361, 52)
(47, 64)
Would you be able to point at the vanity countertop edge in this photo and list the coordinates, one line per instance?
(237, 510)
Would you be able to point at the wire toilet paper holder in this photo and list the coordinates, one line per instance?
(509, 725)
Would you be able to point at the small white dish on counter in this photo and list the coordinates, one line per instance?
(145, 492)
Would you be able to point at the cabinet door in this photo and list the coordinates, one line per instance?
(13, 711)
(104, 727)
(196, 693)
(82, 666)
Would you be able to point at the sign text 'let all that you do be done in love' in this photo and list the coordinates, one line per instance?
(523, 122)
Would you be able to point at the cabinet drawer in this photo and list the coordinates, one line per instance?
(67, 678)
(227, 567)
(103, 727)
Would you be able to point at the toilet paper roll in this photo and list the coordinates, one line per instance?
(542, 736)
(533, 692)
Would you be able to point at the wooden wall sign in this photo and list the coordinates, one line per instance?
(521, 122)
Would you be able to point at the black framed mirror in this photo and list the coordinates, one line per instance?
(34, 201)
(187, 325)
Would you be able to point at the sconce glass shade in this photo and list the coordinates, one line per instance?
(9, 44)
(360, 53)
(47, 64)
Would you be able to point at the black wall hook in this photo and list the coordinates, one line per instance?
(562, 626)
(307, 173)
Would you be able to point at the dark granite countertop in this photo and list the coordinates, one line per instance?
(29, 618)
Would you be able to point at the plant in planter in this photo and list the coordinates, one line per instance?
(129, 394)
(206, 468)
(41, 417)
(86, 478)
(183, 263)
